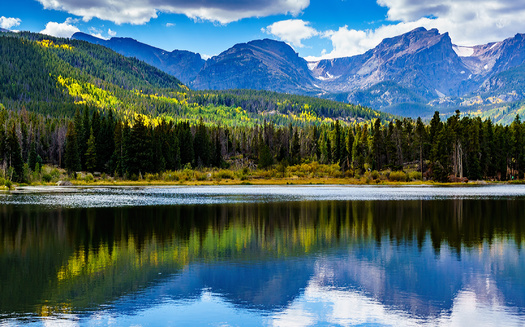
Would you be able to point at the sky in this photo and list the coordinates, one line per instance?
(314, 28)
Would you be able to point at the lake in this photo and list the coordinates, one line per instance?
(263, 256)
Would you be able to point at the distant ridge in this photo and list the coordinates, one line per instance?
(411, 74)
(184, 65)
(259, 65)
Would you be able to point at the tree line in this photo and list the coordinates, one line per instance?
(95, 141)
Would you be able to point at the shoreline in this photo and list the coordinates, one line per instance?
(255, 182)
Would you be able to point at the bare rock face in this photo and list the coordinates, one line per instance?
(421, 60)
(64, 183)
(259, 65)
(416, 70)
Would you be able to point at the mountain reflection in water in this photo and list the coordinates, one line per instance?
(314, 262)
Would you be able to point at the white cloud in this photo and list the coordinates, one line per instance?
(111, 33)
(8, 22)
(169, 24)
(469, 22)
(64, 29)
(350, 42)
(71, 20)
(141, 11)
(292, 31)
(93, 31)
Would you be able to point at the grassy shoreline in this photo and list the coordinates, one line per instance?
(254, 182)
(304, 174)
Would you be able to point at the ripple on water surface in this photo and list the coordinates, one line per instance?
(147, 196)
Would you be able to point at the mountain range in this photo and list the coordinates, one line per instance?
(57, 76)
(412, 74)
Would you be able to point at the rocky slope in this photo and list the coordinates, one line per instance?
(426, 71)
(260, 65)
(421, 60)
(417, 72)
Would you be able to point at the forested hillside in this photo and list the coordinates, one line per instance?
(56, 76)
(95, 141)
(80, 106)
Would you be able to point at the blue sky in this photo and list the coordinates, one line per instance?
(315, 29)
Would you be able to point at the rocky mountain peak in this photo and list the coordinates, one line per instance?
(412, 42)
(421, 66)
(260, 64)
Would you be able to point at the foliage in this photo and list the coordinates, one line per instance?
(59, 76)
(397, 176)
(75, 105)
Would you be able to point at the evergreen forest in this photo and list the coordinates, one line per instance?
(82, 107)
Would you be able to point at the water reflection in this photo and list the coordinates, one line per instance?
(334, 262)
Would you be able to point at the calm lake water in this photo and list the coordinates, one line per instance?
(270, 256)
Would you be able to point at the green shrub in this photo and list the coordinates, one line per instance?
(55, 174)
(374, 174)
(224, 174)
(89, 178)
(46, 177)
(170, 176)
(397, 176)
(415, 176)
(151, 177)
(201, 176)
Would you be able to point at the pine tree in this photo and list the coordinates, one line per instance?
(391, 148)
(338, 142)
(435, 127)
(117, 159)
(420, 141)
(202, 145)
(83, 136)
(24, 139)
(265, 156)
(440, 154)
(72, 158)
(32, 160)
(159, 150)
(140, 151)
(2, 143)
(517, 141)
(474, 148)
(296, 148)
(329, 158)
(487, 163)
(217, 156)
(316, 148)
(127, 150)
(14, 155)
(377, 146)
(186, 144)
(176, 159)
(91, 153)
(349, 146)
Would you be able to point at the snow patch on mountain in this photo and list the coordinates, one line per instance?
(312, 65)
(462, 51)
(328, 77)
